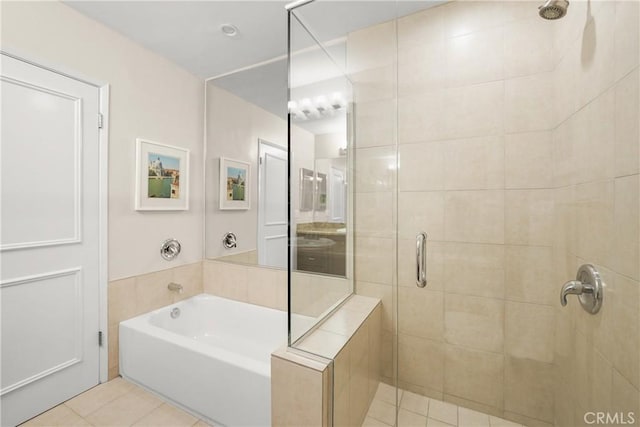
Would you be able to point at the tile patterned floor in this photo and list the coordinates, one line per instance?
(420, 411)
(115, 403)
(120, 403)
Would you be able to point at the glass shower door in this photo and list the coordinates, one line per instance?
(514, 160)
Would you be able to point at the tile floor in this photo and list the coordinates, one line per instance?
(115, 403)
(420, 411)
(120, 403)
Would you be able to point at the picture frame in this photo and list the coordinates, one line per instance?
(162, 177)
(235, 184)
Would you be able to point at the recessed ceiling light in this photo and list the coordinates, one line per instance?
(229, 30)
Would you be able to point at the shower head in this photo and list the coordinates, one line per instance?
(553, 9)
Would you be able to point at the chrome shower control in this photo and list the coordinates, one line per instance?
(587, 286)
(170, 249)
(229, 241)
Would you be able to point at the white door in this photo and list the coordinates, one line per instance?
(49, 241)
(272, 206)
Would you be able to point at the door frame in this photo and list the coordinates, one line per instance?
(103, 140)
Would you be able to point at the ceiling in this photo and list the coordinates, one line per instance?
(251, 65)
(188, 32)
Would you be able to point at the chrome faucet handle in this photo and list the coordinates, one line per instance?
(572, 287)
(229, 240)
(170, 249)
(587, 286)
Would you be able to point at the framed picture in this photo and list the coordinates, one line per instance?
(162, 177)
(235, 187)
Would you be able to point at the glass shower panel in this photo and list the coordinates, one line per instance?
(320, 98)
(520, 165)
(368, 32)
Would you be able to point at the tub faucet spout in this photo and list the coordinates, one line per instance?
(175, 287)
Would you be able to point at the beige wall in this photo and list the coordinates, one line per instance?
(233, 129)
(595, 175)
(252, 284)
(150, 98)
(515, 135)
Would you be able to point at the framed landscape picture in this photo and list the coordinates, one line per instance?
(162, 177)
(235, 188)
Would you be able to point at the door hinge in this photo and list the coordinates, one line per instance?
(260, 160)
(100, 338)
(100, 120)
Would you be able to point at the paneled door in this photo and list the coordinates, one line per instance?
(49, 241)
(272, 206)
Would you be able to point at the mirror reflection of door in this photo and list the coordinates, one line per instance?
(307, 178)
(338, 195)
(320, 204)
(272, 205)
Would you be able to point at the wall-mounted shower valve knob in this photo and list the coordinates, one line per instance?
(587, 286)
(170, 249)
(229, 241)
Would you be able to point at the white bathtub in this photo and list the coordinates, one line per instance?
(213, 359)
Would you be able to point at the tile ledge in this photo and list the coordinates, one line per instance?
(356, 304)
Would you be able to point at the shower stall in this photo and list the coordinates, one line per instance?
(494, 155)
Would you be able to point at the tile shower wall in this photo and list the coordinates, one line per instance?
(596, 188)
(503, 122)
(136, 295)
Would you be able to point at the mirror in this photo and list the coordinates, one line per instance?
(251, 109)
(246, 122)
(307, 180)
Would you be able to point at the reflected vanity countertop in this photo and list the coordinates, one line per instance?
(322, 228)
(321, 242)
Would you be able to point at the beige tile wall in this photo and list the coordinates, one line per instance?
(312, 294)
(253, 284)
(595, 173)
(136, 295)
(299, 391)
(518, 155)
(375, 173)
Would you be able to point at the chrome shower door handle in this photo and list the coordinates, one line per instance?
(421, 260)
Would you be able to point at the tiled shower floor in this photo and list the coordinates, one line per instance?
(115, 403)
(420, 411)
